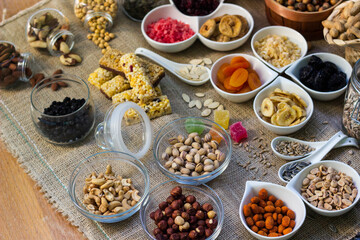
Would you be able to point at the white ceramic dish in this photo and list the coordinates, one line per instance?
(290, 199)
(292, 35)
(195, 23)
(296, 183)
(289, 86)
(230, 9)
(266, 75)
(341, 63)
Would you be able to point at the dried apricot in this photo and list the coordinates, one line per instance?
(263, 194)
(245, 88)
(270, 209)
(249, 221)
(287, 231)
(290, 214)
(255, 200)
(238, 59)
(253, 81)
(230, 88)
(239, 77)
(247, 211)
(292, 224)
(272, 198)
(279, 203)
(285, 221)
(269, 223)
(220, 74)
(233, 67)
(260, 224)
(255, 228)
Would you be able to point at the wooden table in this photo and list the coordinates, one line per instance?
(24, 211)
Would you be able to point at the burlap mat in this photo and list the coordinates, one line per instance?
(52, 165)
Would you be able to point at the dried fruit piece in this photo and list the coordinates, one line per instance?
(239, 77)
(194, 125)
(208, 28)
(230, 26)
(238, 132)
(222, 117)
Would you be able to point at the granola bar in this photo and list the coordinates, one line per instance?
(130, 95)
(116, 85)
(100, 76)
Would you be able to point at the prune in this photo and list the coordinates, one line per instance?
(336, 81)
(330, 67)
(305, 72)
(315, 62)
(196, 7)
(320, 80)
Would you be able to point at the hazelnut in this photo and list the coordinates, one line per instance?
(175, 214)
(193, 234)
(190, 199)
(158, 215)
(152, 216)
(196, 206)
(184, 235)
(170, 221)
(211, 214)
(176, 204)
(175, 227)
(162, 225)
(191, 211)
(159, 237)
(185, 226)
(200, 230)
(185, 216)
(179, 221)
(182, 198)
(163, 205)
(207, 207)
(157, 231)
(176, 191)
(170, 199)
(200, 214)
(211, 223)
(174, 236)
(168, 211)
(170, 231)
(201, 223)
(208, 232)
(187, 206)
(193, 220)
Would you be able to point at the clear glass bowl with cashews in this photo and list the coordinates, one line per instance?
(192, 150)
(109, 186)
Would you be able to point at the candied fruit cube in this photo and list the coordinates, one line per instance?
(237, 132)
(222, 118)
(194, 125)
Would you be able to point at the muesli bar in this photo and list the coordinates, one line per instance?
(116, 85)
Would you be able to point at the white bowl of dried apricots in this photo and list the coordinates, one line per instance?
(271, 211)
(239, 77)
(283, 107)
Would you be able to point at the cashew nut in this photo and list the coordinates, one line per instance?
(128, 194)
(126, 182)
(108, 170)
(113, 205)
(119, 210)
(108, 184)
(98, 182)
(125, 204)
(95, 198)
(104, 205)
(95, 191)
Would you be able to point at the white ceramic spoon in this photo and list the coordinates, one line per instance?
(317, 156)
(171, 66)
(346, 142)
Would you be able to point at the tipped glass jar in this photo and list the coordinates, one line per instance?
(14, 66)
(49, 29)
(137, 9)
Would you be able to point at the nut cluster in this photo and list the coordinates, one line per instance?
(105, 194)
(192, 156)
(328, 189)
(9, 60)
(268, 216)
(181, 217)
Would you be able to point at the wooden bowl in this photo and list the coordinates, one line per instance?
(307, 23)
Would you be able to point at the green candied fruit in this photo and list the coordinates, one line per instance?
(194, 125)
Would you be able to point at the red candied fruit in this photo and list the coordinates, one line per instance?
(237, 132)
(169, 31)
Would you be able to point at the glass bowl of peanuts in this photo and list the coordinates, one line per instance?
(109, 186)
(271, 211)
(192, 150)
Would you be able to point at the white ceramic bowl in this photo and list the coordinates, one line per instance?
(292, 35)
(266, 75)
(296, 183)
(290, 199)
(230, 9)
(166, 11)
(341, 63)
(289, 86)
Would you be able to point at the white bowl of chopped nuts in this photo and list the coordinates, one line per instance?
(330, 187)
(266, 76)
(277, 121)
(109, 186)
(278, 47)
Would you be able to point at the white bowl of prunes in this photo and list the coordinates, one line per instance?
(323, 75)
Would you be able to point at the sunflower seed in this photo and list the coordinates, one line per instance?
(207, 61)
(200, 95)
(198, 104)
(206, 112)
(208, 102)
(185, 97)
(213, 105)
(196, 61)
(221, 107)
(192, 104)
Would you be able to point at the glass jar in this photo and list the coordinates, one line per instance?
(14, 66)
(351, 114)
(137, 9)
(49, 29)
(64, 116)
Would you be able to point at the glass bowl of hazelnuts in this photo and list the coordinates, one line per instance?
(173, 211)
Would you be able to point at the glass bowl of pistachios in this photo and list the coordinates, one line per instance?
(109, 186)
(192, 150)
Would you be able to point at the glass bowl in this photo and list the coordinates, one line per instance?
(177, 127)
(202, 193)
(123, 165)
(68, 128)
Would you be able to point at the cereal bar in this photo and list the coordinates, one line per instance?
(158, 107)
(116, 85)
(100, 76)
(130, 95)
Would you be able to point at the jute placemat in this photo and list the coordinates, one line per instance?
(50, 166)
